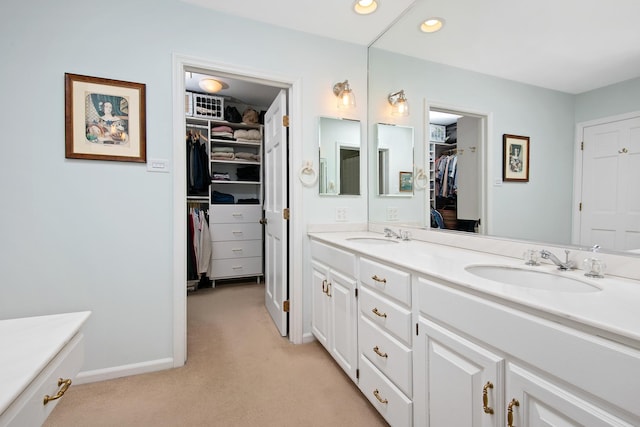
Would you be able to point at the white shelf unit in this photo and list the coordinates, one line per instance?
(236, 233)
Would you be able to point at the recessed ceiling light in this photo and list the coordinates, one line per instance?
(365, 7)
(210, 85)
(432, 25)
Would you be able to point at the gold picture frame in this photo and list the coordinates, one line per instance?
(406, 182)
(105, 119)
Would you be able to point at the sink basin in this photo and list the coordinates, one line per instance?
(533, 279)
(372, 240)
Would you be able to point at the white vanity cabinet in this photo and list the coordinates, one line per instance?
(385, 340)
(334, 304)
(542, 372)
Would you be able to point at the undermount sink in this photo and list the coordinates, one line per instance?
(372, 240)
(533, 279)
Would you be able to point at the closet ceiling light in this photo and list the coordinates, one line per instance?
(432, 25)
(365, 7)
(210, 85)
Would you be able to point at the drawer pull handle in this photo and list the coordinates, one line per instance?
(485, 398)
(376, 393)
(379, 279)
(376, 349)
(236, 250)
(237, 215)
(513, 403)
(237, 232)
(329, 289)
(65, 386)
(324, 286)
(377, 313)
(238, 267)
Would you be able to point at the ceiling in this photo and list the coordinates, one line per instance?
(567, 45)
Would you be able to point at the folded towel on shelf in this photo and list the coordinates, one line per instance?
(222, 135)
(247, 156)
(252, 135)
(223, 156)
(248, 201)
(222, 149)
(248, 173)
(222, 129)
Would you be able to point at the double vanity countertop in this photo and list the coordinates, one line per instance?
(612, 310)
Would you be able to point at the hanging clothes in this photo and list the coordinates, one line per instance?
(197, 164)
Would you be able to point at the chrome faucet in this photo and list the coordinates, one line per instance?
(566, 265)
(390, 233)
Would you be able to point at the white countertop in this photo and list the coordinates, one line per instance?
(615, 310)
(28, 345)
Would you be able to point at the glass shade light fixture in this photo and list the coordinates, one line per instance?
(399, 103)
(346, 98)
(210, 85)
(365, 7)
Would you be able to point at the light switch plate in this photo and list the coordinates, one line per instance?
(158, 165)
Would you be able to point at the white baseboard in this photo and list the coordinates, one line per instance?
(96, 375)
(307, 338)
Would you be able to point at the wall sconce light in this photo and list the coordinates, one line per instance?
(346, 98)
(399, 103)
(210, 85)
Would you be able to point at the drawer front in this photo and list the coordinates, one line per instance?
(224, 232)
(386, 314)
(29, 408)
(392, 404)
(344, 262)
(387, 280)
(389, 355)
(236, 267)
(237, 249)
(226, 214)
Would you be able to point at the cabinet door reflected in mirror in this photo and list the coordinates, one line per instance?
(339, 173)
(394, 146)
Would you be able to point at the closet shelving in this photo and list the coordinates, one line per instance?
(234, 199)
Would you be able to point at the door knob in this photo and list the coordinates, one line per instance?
(263, 221)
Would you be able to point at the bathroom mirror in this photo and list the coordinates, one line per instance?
(541, 209)
(394, 145)
(339, 173)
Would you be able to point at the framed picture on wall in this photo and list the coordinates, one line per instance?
(406, 181)
(104, 119)
(515, 158)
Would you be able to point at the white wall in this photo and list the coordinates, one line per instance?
(94, 235)
(539, 210)
(608, 101)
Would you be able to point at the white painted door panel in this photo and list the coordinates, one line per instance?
(275, 202)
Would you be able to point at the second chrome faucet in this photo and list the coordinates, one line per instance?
(566, 265)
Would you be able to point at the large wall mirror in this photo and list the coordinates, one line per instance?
(339, 173)
(394, 145)
(546, 207)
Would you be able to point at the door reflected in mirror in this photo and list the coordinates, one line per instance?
(394, 146)
(339, 173)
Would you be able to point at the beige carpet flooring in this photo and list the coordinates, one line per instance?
(239, 372)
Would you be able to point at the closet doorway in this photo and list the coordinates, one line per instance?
(238, 78)
(458, 163)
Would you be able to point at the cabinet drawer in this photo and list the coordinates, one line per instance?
(386, 314)
(344, 262)
(29, 408)
(392, 404)
(224, 232)
(237, 249)
(390, 356)
(236, 267)
(225, 214)
(387, 280)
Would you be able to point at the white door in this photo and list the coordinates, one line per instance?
(610, 197)
(468, 167)
(275, 203)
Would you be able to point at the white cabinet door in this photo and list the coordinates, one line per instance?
(533, 401)
(319, 305)
(457, 383)
(343, 322)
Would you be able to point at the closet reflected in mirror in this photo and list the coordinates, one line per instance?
(339, 173)
(394, 153)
